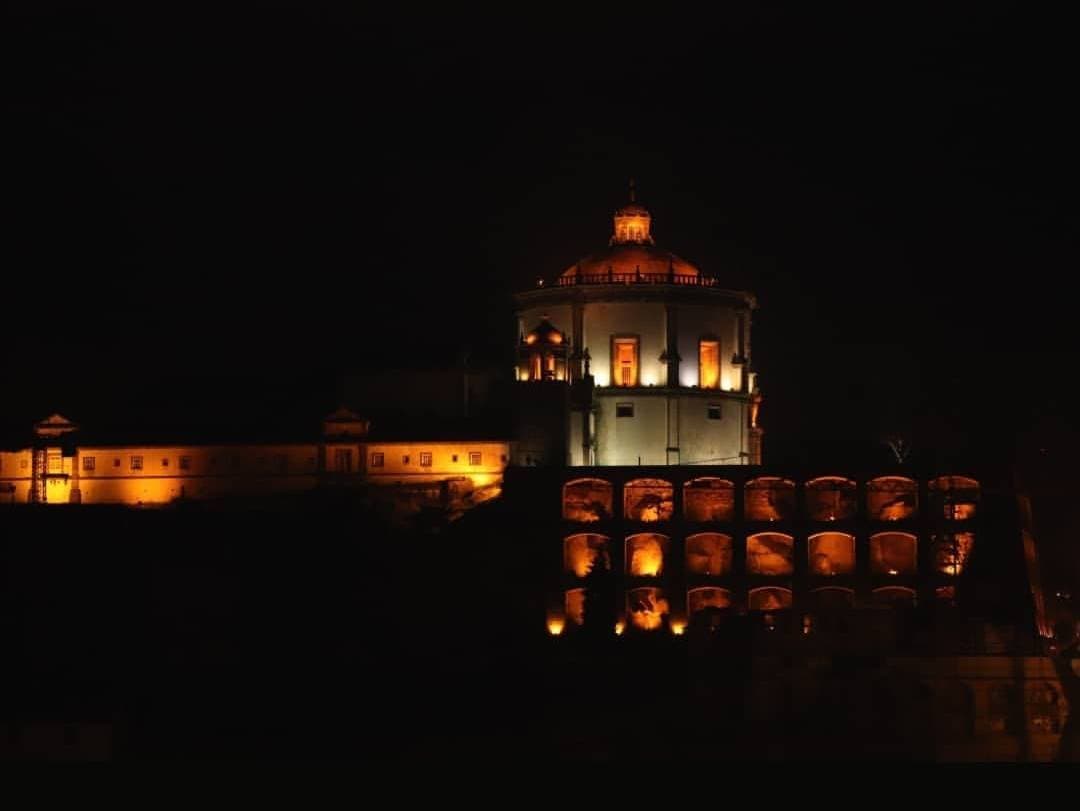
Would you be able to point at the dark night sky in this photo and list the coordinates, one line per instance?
(212, 211)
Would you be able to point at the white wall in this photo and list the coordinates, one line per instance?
(696, 322)
(646, 319)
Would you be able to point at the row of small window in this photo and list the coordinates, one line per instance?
(280, 462)
(769, 553)
(625, 410)
(379, 459)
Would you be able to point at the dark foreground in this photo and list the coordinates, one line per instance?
(310, 629)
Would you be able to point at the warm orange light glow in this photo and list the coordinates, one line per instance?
(625, 362)
(648, 500)
(769, 553)
(645, 554)
(648, 607)
(581, 552)
(709, 553)
(709, 364)
(951, 552)
(530, 338)
(620, 626)
(678, 627)
(832, 553)
(893, 553)
(555, 626)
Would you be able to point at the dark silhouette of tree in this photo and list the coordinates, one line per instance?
(600, 615)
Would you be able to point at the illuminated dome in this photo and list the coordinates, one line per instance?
(631, 251)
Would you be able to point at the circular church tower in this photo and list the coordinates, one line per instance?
(633, 355)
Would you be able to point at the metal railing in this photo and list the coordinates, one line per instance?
(637, 278)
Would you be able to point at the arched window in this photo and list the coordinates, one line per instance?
(892, 498)
(770, 598)
(709, 499)
(648, 500)
(770, 553)
(893, 553)
(894, 596)
(707, 598)
(575, 606)
(830, 498)
(587, 500)
(769, 498)
(645, 554)
(647, 608)
(954, 497)
(582, 551)
(951, 551)
(709, 553)
(831, 553)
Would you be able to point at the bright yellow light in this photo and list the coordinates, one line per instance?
(530, 338)
(620, 626)
(678, 627)
(725, 382)
(555, 626)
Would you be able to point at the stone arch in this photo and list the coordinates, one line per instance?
(894, 596)
(574, 603)
(830, 498)
(894, 553)
(769, 498)
(769, 598)
(954, 497)
(892, 498)
(647, 608)
(770, 553)
(707, 597)
(709, 553)
(582, 550)
(648, 500)
(587, 500)
(831, 553)
(645, 554)
(708, 498)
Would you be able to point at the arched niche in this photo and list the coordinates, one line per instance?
(769, 598)
(770, 553)
(648, 500)
(575, 606)
(645, 554)
(831, 598)
(709, 499)
(831, 553)
(587, 500)
(830, 498)
(769, 498)
(707, 597)
(951, 551)
(709, 553)
(894, 596)
(892, 498)
(583, 550)
(954, 497)
(894, 553)
(646, 608)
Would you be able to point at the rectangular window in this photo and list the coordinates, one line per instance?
(88, 462)
(405, 459)
(625, 362)
(164, 462)
(425, 460)
(709, 364)
(116, 463)
(185, 463)
(714, 411)
(376, 460)
(474, 457)
(136, 463)
(624, 409)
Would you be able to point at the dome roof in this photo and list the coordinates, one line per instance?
(632, 259)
